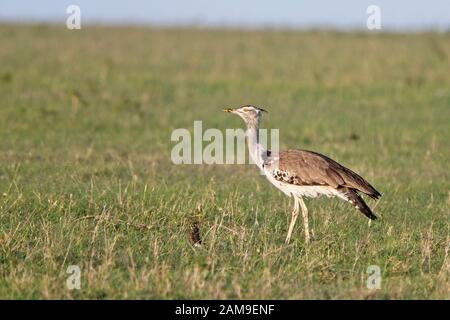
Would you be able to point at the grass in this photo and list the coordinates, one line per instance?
(86, 177)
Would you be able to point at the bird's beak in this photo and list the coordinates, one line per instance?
(228, 110)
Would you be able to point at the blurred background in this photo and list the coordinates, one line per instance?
(86, 176)
(405, 15)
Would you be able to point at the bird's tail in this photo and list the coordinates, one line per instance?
(355, 199)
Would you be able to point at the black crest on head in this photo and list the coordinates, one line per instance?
(252, 106)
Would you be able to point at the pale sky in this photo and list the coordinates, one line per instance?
(395, 14)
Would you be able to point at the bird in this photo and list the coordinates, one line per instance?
(302, 173)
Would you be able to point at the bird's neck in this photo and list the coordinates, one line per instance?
(255, 148)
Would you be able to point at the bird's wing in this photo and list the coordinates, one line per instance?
(307, 168)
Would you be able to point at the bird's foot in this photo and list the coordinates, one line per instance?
(313, 236)
(286, 242)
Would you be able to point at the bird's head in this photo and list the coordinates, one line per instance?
(250, 114)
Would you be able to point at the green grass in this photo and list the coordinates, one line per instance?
(86, 177)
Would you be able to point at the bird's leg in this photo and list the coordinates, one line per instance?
(293, 219)
(305, 219)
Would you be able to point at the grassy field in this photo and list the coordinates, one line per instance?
(86, 177)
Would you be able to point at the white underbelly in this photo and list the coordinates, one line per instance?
(304, 191)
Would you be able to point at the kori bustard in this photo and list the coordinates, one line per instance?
(302, 173)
